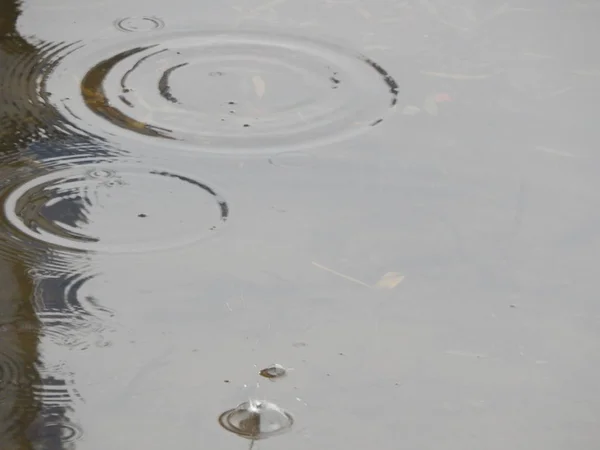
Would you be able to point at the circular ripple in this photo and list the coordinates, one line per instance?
(14, 371)
(114, 208)
(71, 316)
(225, 92)
(132, 24)
(256, 419)
(57, 428)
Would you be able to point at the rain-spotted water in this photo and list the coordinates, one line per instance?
(395, 198)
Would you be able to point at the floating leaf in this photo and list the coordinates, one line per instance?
(389, 280)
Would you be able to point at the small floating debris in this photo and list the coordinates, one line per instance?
(389, 280)
(256, 419)
(273, 371)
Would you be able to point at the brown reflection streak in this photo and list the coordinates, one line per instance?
(21, 410)
(19, 407)
(95, 97)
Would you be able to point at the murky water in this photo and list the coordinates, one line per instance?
(394, 199)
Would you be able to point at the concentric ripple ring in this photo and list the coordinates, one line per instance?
(223, 92)
(114, 208)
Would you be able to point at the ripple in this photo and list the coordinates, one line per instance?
(68, 316)
(256, 419)
(113, 208)
(17, 376)
(137, 24)
(15, 246)
(57, 428)
(55, 392)
(224, 92)
(294, 159)
(14, 371)
(27, 111)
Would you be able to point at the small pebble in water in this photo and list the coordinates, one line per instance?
(273, 371)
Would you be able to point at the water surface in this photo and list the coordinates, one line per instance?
(397, 199)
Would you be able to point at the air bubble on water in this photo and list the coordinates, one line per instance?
(256, 419)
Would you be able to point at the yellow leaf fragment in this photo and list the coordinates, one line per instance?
(389, 280)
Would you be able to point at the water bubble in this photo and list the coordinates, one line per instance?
(94, 207)
(289, 92)
(256, 419)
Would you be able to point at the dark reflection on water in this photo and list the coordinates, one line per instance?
(19, 405)
(36, 401)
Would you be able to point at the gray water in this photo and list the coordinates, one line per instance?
(396, 201)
